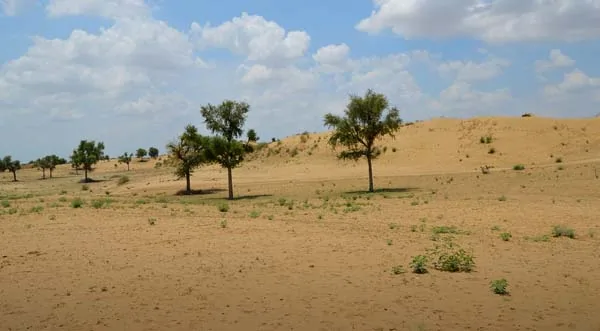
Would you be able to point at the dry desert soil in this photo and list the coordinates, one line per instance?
(304, 248)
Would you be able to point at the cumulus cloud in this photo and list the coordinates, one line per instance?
(254, 37)
(102, 8)
(14, 7)
(574, 81)
(471, 71)
(556, 60)
(489, 20)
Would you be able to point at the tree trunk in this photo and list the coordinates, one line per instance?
(127, 166)
(51, 173)
(14, 175)
(369, 161)
(43, 173)
(230, 179)
(85, 173)
(188, 185)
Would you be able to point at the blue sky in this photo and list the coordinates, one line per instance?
(132, 73)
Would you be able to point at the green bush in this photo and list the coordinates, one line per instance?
(563, 231)
(77, 203)
(499, 286)
(419, 264)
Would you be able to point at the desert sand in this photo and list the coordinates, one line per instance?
(304, 248)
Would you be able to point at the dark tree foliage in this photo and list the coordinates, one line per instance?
(141, 153)
(126, 158)
(87, 154)
(226, 121)
(188, 152)
(153, 152)
(252, 137)
(365, 120)
(8, 164)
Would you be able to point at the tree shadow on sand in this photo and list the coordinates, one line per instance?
(386, 190)
(199, 192)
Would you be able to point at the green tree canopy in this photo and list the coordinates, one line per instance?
(141, 153)
(365, 120)
(252, 137)
(7, 163)
(153, 152)
(126, 158)
(188, 152)
(226, 121)
(87, 154)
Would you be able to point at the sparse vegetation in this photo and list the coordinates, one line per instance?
(77, 203)
(499, 286)
(419, 264)
(505, 236)
(563, 231)
(519, 167)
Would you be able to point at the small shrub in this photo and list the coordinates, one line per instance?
(505, 236)
(392, 226)
(37, 209)
(559, 160)
(419, 264)
(123, 180)
(223, 224)
(223, 207)
(254, 214)
(85, 187)
(397, 270)
(12, 211)
(282, 201)
(502, 198)
(152, 221)
(63, 192)
(62, 199)
(52, 217)
(452, 259)
(492, 151)
(499, 286)
(390, 242)
(77, 203)
(5, 203)
(519, 167)
(563, 231)
(445, 230)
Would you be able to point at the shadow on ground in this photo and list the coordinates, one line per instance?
(386, 190)
(199, 192)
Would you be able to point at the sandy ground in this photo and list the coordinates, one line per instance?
(303, 250)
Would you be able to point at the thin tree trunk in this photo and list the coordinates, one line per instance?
(43, 173)
(369, 161)
(127, 166)
(51, 172)
(14, 176)
(230, 179)
(188, 185)
(85, 172)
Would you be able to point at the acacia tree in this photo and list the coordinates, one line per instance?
(87, 154)
(141, 153)
(7, 163)
(42, 164)
(252, 137)
(153, 152)
(51, 162)
(126, 158)
(364, 121)
(226, 121)
(188, 152)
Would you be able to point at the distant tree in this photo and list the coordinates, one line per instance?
(226, 121)
(87, 154)
(364, 122)
(153, 152)
(188, 152)
(42, 164)
(126, 158)
(252, 137)
(7, 163)
(141, 153)
(52, 161)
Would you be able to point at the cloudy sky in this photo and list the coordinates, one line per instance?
(132, 73)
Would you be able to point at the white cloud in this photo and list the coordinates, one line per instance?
(488, 20)
(471, 71)
(103, 8)
(572, 82)
(14, 7)
(254, 37)
(556, 60)
(332, 58)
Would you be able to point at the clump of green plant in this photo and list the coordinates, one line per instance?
(451, 258)
(502, 198)
(223, 207)
(63, 192)
(98, 204)
(223, 224)
(419, 264)
(254, 214)
(445, 230)
(152, 221)
(505, 236)
(77, 203)
(397, 270)
(5, 203)
(518, 167)
(37, 209)
(123, 180)
(52, 217)
(486, 139)
(563, 231)
(390, 242)
(85, 187)
(282, 201)
(499, 286)
(392, 226)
